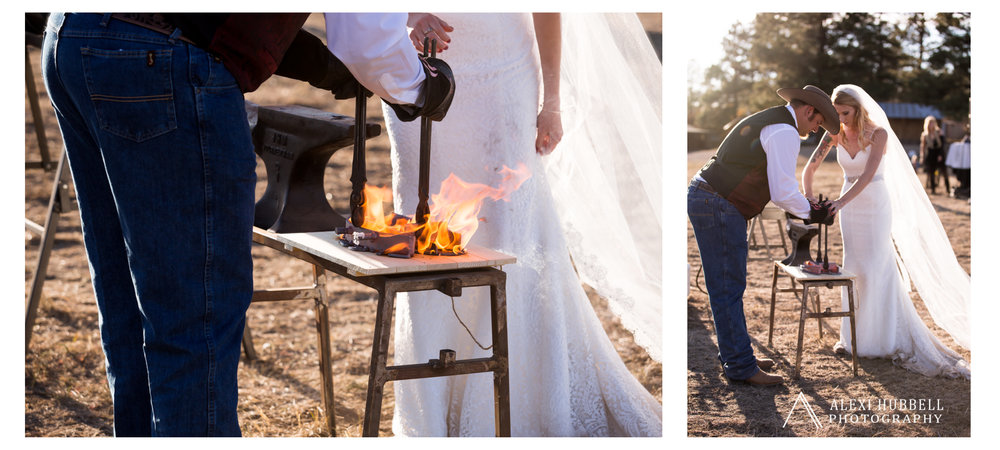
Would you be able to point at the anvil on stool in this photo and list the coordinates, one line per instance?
(295, 143)
(801, 236)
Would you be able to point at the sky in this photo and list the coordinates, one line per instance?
(707, 32)
(705, 45)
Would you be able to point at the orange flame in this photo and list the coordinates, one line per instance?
(395, 248)
(454, 211)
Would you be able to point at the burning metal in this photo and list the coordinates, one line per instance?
(396, 245)
(445, 231)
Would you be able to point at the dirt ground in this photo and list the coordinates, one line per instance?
(718, 408)
(65, 390)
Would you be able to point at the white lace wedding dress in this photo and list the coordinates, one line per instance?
(566, 379)
(886, 322)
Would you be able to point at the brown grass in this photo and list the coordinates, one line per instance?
(66, 393)
(718, 408)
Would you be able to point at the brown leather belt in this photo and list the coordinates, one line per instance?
(698, 184)
(150, 21)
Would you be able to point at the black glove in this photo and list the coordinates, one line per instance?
(339, 80)
(308, 59)
(820, 213)
(438, 91)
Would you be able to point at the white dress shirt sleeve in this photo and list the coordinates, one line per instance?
(781, 144)
(377, 50)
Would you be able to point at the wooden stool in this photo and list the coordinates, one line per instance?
(772, 213)
(808, 280)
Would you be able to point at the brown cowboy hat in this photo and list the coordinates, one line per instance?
(818, 99)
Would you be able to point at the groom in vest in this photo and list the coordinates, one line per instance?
(754, 164)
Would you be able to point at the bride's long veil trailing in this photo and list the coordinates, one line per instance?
(605, 175)
(920, 239)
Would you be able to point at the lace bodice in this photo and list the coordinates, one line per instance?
(507, 38)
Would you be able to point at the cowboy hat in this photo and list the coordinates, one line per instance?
(818, 99)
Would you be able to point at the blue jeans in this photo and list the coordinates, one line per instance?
(721, 232)
(162, 160)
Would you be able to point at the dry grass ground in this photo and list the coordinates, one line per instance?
(718, 408)
(66, 393)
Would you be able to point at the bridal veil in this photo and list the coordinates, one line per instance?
(606, 175)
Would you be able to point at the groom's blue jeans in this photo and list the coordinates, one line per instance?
(164, 170)
(721, 232)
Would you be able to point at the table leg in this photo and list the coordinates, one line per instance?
(501, 379)
(325, 359)
(380, 354)
(854, 340)
(802, 324)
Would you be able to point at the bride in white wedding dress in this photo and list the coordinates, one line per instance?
(566, 378)
(882, 208)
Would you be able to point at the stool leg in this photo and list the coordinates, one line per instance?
(325, 359)
(767, 245)
(248, 349)
(62, 178)
(501, 380)
(774, 288)
(380, 354)
(819, 319)
(783, 245)
(802, 325)
(36, 113)
(854, 340)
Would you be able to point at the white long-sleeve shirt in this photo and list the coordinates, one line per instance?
(781, 143)
(377, 50)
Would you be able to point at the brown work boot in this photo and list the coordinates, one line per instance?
(762, 378)
(765, 364)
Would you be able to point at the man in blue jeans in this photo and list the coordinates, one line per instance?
(755, 164)
(152, 115)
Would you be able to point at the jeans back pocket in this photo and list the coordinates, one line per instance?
(132, 91)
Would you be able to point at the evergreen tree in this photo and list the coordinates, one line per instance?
(894, 60)
(730, 82)
(951, 62)
(866, 51)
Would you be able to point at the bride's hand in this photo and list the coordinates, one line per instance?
(431, 27)
(835, 206)
(550, 131)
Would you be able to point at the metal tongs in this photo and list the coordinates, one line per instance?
(358, 177)
(822, 250)
(423, 209)
(822, 254)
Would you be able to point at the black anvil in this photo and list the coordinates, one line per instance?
(801, 235)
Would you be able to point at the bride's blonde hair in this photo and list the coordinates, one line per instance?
(861, 123)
